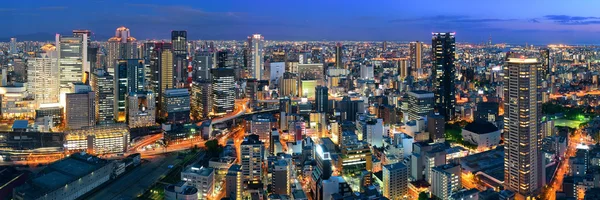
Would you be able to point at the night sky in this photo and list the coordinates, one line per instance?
(511, 21)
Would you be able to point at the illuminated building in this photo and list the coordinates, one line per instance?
(308, 88)
(16, 103)
(416, 59)
(348, 108)
(102, 84)
(289, 85)
(436, 127)
(129, 76)
(481, 133)
(166, 77)
(222, 59)
(80, 110)
(203, 63)
(141, 109)
(311, 72)
(180, 191)
(356, 156)
(395, 181)
(43, 78)
(322, 99)
(256, 55)
(54, 111)
(13, 46)
(223, 84)
(443, 47)
(233, 183)
(101, 139)
(200, 177)
(261, 125)
(445, 180)
(546, 68)
(121, 46)
(179, 41)
(420, 104)
(338, 56)
(522, 114)
(201, 100)
(252, 152)
(177, 105)
(404, 68)
(281, 177)
(367, 72)
(72, 53)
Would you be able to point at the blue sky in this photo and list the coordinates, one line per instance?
(513, 21)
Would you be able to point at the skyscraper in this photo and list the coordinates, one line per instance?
(420, 104)
(522, 114)
(322, 99)
(141, 111)
(203, 63)
(256, 56)
(165, 76)
(80, 107)
(443, 48)
(179, 41)
(129, 77)
(72, 52)
(416, 59)
(103, 85)
(338, 56)
(222, 58)
(223, 90)
(13, 45)
(177, 105)
(121, 46)
(252, 153)
(43, 78)
(545, 55)
(201, 99)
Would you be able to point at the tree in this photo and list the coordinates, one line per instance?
(213, 147)
(423, 196)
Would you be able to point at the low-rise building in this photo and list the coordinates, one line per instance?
(481, 133)
(200, 177)
(111, 138)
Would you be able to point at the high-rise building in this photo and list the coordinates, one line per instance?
(445, 180)
(43, 78)
(222, 59)
(72, 52)
(165, 76)
(223, 90)
(443, 48)
(201, 100)
(289, 85)
(395, 181)
(91, 56)
(522, 114)
(13, 46)
(415, 67)
(180, 61)
(338, 56)
(203, 63)
(234, 182)
(256, 56)
(420, 104)
(546, 68)
(102, 84)
(322, 99)
(129, 77)
(141, 109)
(404, 68)
(121, 46)
(281, 177)
(177, 105)
(252, 153)
(80, 108)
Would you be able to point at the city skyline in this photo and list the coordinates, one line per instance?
(475, 22)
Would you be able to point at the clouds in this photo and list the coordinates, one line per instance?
(572, 20)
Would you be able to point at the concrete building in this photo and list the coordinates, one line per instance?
(420, 104)
(181, 191)
(141, 109)
(177, 105)
(102, 84)
(234, 182)
(101, 139)
(121, 46)
(395, 181)
(443, 46)
(80, 110)
(72, 54)
(67, 179)
(201, 100)
(43, 78)
(289, 85)
(281, 177)
(445, 180)
(200, 177)
(256, 54)
(16, 102)
(481, 133)
(436, 126)
(252, 153)
(223, 91)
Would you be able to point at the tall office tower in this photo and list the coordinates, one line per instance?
(121, 46)
(203, 63)
(166, 76)
(395, 181)
(415, 52)
(141, 109)
(367, 72)
(129, 77)
(234, 183)
(289, 85)
(43, 78)
(420, 104)
(87, 70)
(545, 55)
(281, 177)
(177, 105)
(322, 99)
(13, 46)
(522, 114)
(201, 100)
(222, 58)
(338, 56)
(72, 52)
(179, 41)
(223, 90)
(103, 85)
(93, 59)
(256, 56)
(252, 153)
(443, 47)
(445, 180)
(403, 69)
(80, 107)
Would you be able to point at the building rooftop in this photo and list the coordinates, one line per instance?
(20, 124)
(481, 127)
